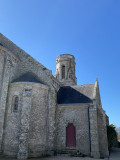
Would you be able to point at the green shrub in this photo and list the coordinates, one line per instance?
(112, 136)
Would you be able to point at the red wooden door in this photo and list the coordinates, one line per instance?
(70, 135)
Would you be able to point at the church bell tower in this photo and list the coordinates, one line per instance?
(65, 69)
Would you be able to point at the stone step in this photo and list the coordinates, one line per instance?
(71, 152)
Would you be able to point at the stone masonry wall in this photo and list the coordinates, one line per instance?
(8, 65)
(25, 63)
(102, 126)
(78, 115)
(12, 125)
(102, 130)
(94, 131)
(23, 134)
(38, 116)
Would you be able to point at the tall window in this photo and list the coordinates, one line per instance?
(63, 72)
(15, 103)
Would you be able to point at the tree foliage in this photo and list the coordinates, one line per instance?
(112, 136)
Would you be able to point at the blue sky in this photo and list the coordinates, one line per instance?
(88, 29)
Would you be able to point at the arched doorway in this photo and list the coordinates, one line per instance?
(70, 135)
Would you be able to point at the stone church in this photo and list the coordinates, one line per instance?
(42, 114)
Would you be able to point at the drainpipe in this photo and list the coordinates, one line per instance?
(89, 130)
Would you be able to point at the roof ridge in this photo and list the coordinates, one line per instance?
(20, 51)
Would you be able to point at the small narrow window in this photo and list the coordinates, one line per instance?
(63, 72)
(15, 103)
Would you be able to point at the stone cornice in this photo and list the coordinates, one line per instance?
(75, 104)
(39, 85)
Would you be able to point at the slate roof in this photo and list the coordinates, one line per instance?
(75, 94)
(28, 77)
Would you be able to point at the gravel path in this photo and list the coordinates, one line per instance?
(115, 154)
(58, 158)
(66, 158)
